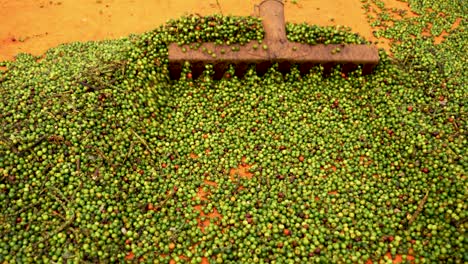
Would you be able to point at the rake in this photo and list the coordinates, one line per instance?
(275, 48)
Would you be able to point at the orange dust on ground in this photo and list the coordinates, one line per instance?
(33, 26)
(242, 171)
(400, 10)
(397, 259)
(214, 215)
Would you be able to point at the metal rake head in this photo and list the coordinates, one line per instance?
(275, 48)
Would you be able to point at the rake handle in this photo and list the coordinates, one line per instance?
(272, 14)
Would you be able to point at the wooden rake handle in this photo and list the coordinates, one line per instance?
(272, 14)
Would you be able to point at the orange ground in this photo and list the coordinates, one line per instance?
(34, 26)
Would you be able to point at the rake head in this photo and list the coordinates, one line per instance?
(275, 48)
